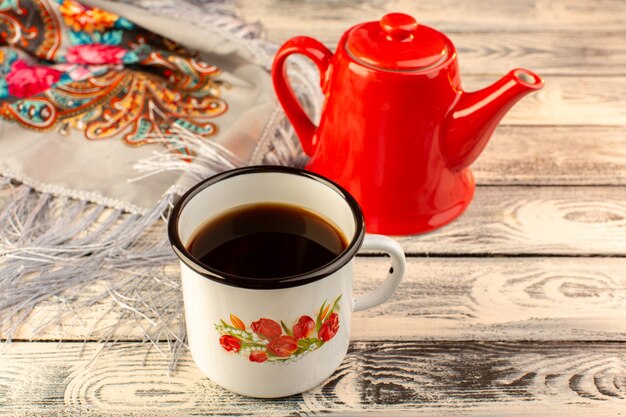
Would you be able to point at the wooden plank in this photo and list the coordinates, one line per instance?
(547, 53)
(498, 299)
(533, 221)
(554, 155)
(547, 155)
(384, 378)
(441, 299)
(575, 101)
(332, 18)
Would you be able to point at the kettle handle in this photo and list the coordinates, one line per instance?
(321, 56)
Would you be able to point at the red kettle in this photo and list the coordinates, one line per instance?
(397, 130)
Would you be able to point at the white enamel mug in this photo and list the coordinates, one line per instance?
(280, 336)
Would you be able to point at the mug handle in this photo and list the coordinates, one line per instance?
(394, 277)
(321, 56)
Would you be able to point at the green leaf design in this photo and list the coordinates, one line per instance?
(298, 351)
(286, 329)
(306, 343)
(248, 343)
(318, 320)
(276, 359)
(249, 340)
(336, 304)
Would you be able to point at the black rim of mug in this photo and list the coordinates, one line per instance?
(265, 283)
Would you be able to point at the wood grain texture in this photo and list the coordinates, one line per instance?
(547, 53)
(503, 312)
(442, 299)
(498, 299)
(390, 378)
(528, 221)
(283, 19)
(575, 101)
(533, 220)
(554, 155)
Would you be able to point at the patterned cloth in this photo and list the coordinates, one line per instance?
(73, 75)
(99, 73)
(102, 123)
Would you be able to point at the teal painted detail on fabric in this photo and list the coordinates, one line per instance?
(5, 4)
(187, 70)
(142, 130)
(125, 24)
(65, 101)
(79, 38)
(35, 111)
(200, 130)
(10, 56)
(130, 57)
(142, 51)
(4, 88)
(65, 78)
(110, 37)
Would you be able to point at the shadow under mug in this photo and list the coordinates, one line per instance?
(280, 336)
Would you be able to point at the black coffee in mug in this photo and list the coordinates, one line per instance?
(267, 240)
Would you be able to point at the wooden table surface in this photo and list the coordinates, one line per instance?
(517, 308)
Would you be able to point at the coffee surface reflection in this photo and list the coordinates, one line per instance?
(268, 240)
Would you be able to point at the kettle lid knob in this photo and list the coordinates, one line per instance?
(397, 43)
(398, 26)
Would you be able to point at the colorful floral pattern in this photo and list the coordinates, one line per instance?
(88, 84)
(268, 341)
(85, 19)
(25, 80)
(95, 54)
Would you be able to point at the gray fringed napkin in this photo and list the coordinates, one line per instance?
(88, 175)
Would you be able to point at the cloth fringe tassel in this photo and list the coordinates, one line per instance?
(64, 262)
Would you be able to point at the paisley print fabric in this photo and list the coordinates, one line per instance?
(65, 66)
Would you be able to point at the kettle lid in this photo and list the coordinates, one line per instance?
(398, 43)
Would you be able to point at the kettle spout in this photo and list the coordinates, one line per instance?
(476, 115)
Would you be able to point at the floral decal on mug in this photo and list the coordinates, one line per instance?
(267, 341)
